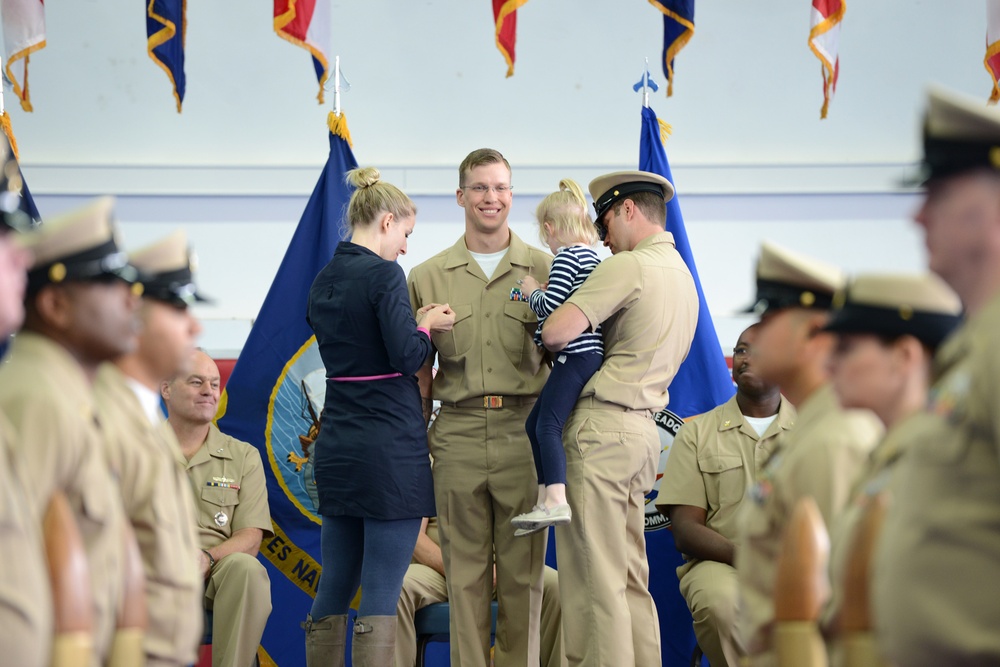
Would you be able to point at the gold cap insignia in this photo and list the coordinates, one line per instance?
(807, 299)
(57, 272)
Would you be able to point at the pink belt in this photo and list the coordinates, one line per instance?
(365, 378)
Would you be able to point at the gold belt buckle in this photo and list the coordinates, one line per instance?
(492, 402)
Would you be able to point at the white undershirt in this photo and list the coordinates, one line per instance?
(760, 424)
(488, 262)
(148, 399)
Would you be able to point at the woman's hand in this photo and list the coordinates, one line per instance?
(436, 317)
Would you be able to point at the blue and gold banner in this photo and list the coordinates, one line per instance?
(165, 27)
(678, 29)
(273, 400)
(702, 382)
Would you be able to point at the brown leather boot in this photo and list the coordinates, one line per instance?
(326, 640)
(374, 643)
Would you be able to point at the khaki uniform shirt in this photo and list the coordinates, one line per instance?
(872, 480)
(159, 504)
(937, 566)
(821, 459)
(714, 461)
(490, 350)
(25, 596)
(46, 396)
(229, 487)
(647, 302)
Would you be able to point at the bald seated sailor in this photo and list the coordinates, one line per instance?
(938, 559)
(646, 299)
(888, 327)
(155, 490)
(823, 453)
(227, 476)
(79, 312)
(25, 598)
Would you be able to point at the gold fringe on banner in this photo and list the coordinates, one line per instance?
(338, 126)
(9, 131)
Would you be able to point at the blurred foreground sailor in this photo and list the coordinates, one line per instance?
(25, 598)
(821, 456)
(155, 490)
(79, 312)
(938, 560)
(888, 327)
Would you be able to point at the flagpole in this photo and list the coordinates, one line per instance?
(336, 86)
(645, 82)
(1, 90)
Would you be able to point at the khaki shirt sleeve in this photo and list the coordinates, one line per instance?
(682, 482)
(253, 512)
(616, 283)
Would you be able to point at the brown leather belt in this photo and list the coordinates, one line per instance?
(492, 402)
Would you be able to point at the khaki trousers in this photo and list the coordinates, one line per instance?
(239, 595)
(609, 618)
(711, 590)
(483, 476)
(423, 586)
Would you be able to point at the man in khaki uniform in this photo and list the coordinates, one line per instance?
(79, 312)
(25, 598)
(938, 559)
(155, 490)
(714, 461)
(644, 298)
(231, 502)
(828, 446)
(425, 584)
(489, 374)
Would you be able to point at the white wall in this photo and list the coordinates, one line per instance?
(751, 158)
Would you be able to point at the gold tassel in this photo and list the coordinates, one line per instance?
(9, 131)
(665, 130)
(338, 126)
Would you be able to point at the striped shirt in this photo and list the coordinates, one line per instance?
(569, 269)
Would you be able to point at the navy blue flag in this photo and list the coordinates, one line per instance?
(165, 26)
(702, 382)
(273, 400)
(678, 28)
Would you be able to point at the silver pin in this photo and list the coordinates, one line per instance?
(221, 519)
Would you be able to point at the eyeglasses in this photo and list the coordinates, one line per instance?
(480, 189)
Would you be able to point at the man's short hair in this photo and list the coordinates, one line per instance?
(650, 203)
(478, 158)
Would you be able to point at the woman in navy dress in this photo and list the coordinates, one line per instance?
(371, 460)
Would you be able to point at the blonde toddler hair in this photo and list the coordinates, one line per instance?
(566, 211)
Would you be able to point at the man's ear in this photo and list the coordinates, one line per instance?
(165, 390)
(460, 197)
(52, 304)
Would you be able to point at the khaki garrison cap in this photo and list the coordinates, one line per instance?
(13, 215)
(960, 134)
(166, 269)
(75, 246)
(787, 279)
(610, 188)
(921, 306)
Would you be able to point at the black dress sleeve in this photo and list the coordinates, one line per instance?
(406, 347)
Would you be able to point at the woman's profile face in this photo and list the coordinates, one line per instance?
(394, 241)
(866, 372)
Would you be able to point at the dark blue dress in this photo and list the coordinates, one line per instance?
(371, 456)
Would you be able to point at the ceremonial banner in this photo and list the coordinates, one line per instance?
(678, 28)
(702, 382)
(824, 40)
(306, 23)
(26, 203)
(505, 17)
(165, 28)
(273, 400)
(23, 34)
(992, 59)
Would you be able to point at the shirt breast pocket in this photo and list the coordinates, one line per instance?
(458, 341)
(724, 478)
(217, 507)
(519, 324)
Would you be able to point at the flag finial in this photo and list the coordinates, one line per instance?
(646, 83)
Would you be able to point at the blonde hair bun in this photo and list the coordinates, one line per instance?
(363, 177)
